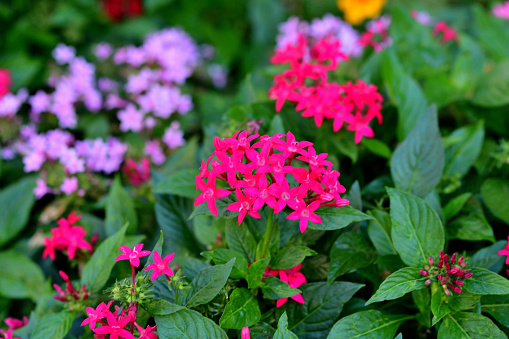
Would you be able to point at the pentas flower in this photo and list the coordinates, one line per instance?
(448, 272)
(70, 293)
(115, 327)
(377, 34)
(505, 251)
(133, 255)
(137, 173)
(146, 333)
(293, 278)
(14, 323)
(245, 334)
(350, 105)
(260, 173)
(448, 34)
(501, 10)
(160, 266)
(8, 334)
(66, 237)
(95, 315)
(5, 82)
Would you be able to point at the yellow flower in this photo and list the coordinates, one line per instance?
(356, 11)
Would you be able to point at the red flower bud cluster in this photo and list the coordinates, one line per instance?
(70, 293)
(447, 32)
(259, 173)
(67, 237)
(451, 274)
(306, 84)
(138, 173)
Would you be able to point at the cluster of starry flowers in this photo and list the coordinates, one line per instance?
(353, 105)
(12, 325)
(377, 34)
(67, 237)
(259, 174)
(449, 273)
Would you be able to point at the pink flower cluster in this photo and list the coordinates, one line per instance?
(259, 172)
(137, 173)
(115, 323)
(448, 273)
(13, 324)
(352, 104)
(5, 82)
(501, 10)
(67, 237)
(377, 34)
(293, 278)
(70, 293)
(448, 34)
(160, 266)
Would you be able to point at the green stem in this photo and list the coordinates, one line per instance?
(263, 253)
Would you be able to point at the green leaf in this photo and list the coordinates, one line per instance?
(463, 301)
(404, 92)
(54, 326)
(161, 307)
(497, 307)
(277, 126)
(120, 209)
(370, 324)
(21, 277)
(222, 256)
(417, 231)
(274, 289)
(439, 306)
(486, 282)
(454, 206)
(334, 218)
(322, 308)
(422, 299)
(461, 325)
(207, 284)
(379, 231)
(417, 164)
(465, 147)
(184, 158)
(398, 284)
(97, 270)
(187, 324)
(472, 225)
(491, 33)
(242, 310)
(377, 147)
(290, 257)
(350, 251)
(241, 240)
(488, 257)
(282, 329)
(494, 191)
(493, 86)
(16, 202)
(181, 183)
(255, 272)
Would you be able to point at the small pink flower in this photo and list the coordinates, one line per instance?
(501, 10)
(505, 251)
(305, 214)
(160, 266)
(115, 328)
(146, 333)
(5, 82)
(210, 193)
(94, 315)
(14, 323)
(134, 255)
(245, 334)
(294, 279)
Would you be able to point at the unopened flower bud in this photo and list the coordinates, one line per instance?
(459, 282)
(427, 282)
(468, 275)
(430, 261)
(424, 273)
(453, 258)
(63, 275)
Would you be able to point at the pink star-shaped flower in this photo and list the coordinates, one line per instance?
(305, 214)
(505, 251)
(295, 280)
(146, 333)
(134, 255)
(115, 328)
(243, 206)
(160, 266)
(210, 193)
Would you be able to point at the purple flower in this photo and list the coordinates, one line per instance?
(154, 151)
(33, 161)
(173, 136)
(10, 104)
(218, 74)
(63, 54)
(40, 102)
(130, 119)
(103, 50)
(41, 189)
(69, 186)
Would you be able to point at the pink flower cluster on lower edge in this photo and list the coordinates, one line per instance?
(13, 324)
(451, 274)
(259, 173)
(115, 323)
(353, 105)
(501, 10)
(66, 237)
(293, 278)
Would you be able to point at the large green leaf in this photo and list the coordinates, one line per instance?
(55, 325)
(417, 231)
(242, 310)
(16, 202)
(422, 299)
(161, 307)
(462, 325)
(207, 284)
(290, 257)
(350, 251)
(370, 324)
(497, 307)
(488, 257)
(418, 162)
(404, 92)
(223, 255)
(187, 324)
(491, 33)
(334, 218)
(471, 224)
(454, 206)
(21, 277)
(282, 329)
(240, 239)
(255, 272)
(97, 270)
(464, 146)
(439, 306)
(494, 192)
(322, 307)
(273, 288)
(486, 282)
(181, 183)
(120, 209)
(379, 231)
(398, 284)
(493, 86)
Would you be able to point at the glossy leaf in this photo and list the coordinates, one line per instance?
(21, 278)
(223, 255)
(273, 288)
(242, 310)
(492, 86)
(334, 218)
(454, 206)
(120, 209)
(462, 325)
(255, 272)
(181, 183)
(290, 257)
(486, 282)
(240, 240)
(465, 147)
(497, 307)
(161, 307)
(488, 257)
(398, 284)
(494, 191)
(54, 325)
(282, 329)
(187, 324)
(379, 231)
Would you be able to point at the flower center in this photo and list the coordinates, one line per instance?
(313, 161)
(245, 205)
(305, 213)
(208, 193)
(133, 255)
(285, 196)
(161, 266)
(264, 194)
